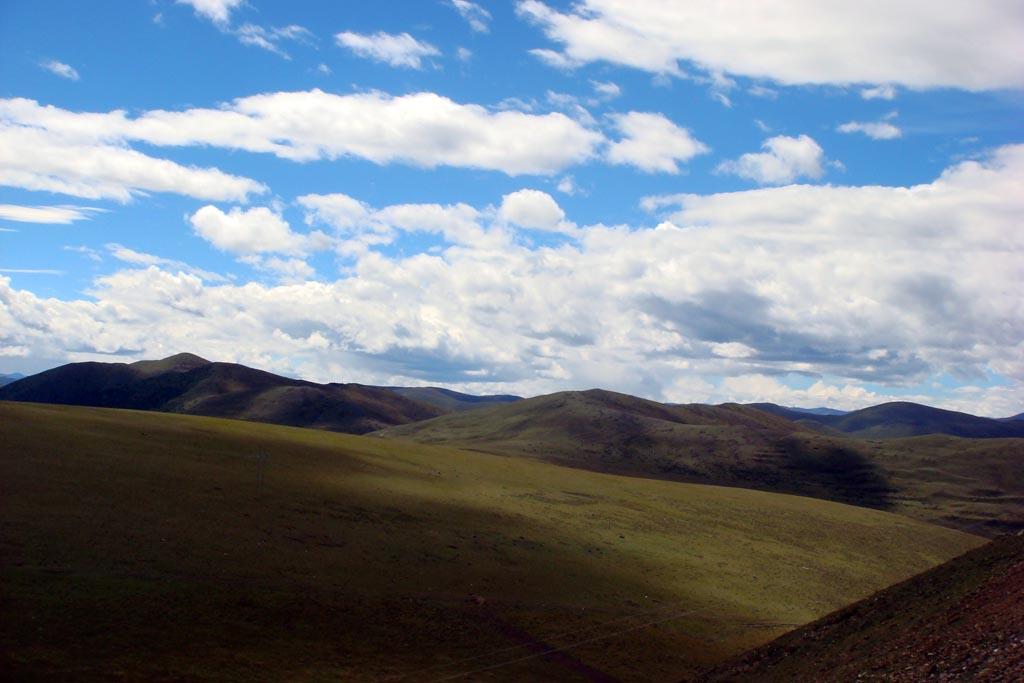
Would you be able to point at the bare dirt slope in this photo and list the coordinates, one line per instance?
(962, 621)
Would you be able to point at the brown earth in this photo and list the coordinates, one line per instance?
(962, 621)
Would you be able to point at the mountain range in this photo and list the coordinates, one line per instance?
(186, 383)
(940, 466)
(898, 420)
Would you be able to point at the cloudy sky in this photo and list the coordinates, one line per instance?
(811, 202)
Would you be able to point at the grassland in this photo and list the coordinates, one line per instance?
(975, 485)
(153, 547)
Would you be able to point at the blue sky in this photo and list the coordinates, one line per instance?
(806, 202)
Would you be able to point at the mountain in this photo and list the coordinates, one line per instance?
(970, 484)
(961, 621)
(451, 401)
(7, 379)
(186, 383)
(1019, 416)
(818, 411)
(729, 445)
(899, 420)
(146, 546)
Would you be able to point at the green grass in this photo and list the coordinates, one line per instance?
(975, 485)
(152, 547)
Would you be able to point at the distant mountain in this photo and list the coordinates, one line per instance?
(186, 383)
(452, 401)
(7, 379)
(899, 420)
(1019, 416)
(819, 411)
(729, 445)
(958, 622)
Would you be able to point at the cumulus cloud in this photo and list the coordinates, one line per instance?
(422, 129)
(401, 50)
(784, 160)
(652, 143)
(895, 286)
(876, 130)
(61, 69)
(913, 43)
(475, 15)
(534, 209)
(217, 11)
(62, 215)
(253, 231)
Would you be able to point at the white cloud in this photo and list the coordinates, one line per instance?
(914, 43)
(555, 59)
(253, 231)
(287, 271)
(881, 92)
(217, 11)
(39, 159)
(567, 185)
(761, 91)
(876, 130)
(896, 286)
(423, 129)
(341, 212)
(534, 209)
(475, 15)
(270, 39)
(785, 160)
(123, 253)
(606, 90)
(463, 54)
(62, 215)
(652, 143)
(61, 69)
(401, 50)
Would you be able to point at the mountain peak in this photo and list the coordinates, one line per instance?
(179, 362)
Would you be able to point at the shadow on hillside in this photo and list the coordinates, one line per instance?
(834, 471)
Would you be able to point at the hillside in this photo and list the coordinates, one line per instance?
(188, 384)
(156, 547)
(962, 621)
(451, 401)
(900, 420)
(973, 484)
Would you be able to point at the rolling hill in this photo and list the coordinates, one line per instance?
(188, 384)
(962, 621)
(145, 546)
(900, 420)
(727, 445)
(452, 401)
(975, 484)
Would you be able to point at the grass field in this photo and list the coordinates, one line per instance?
(152, 547)
(976, 485)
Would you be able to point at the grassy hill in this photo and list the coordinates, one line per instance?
(452, 401)
(900, 419)
(961, 621)
(141, 546)
(975, 484)
(188, 384)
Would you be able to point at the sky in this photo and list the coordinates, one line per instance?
(809, 202)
